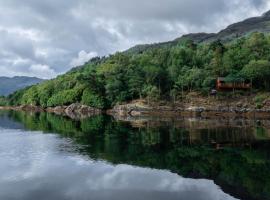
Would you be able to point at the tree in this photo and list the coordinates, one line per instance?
(65, 97)
(45, 91)
(30, 97)
(135, 82)
(91, 99)
(257, 46)
(217, 61)
(151, 93)
(3, 101)
(258, 71)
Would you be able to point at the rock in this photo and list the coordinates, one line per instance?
(30, 108)
(77, 111)
(131, 109)
(73, 107)
(196, 109)
(245, 106)
(266, 103)
(86, 110)
(239, 105)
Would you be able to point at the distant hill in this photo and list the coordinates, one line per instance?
(255, 24)
(10, 85)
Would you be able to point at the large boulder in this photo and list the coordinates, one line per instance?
(130, 109)
(77, 111)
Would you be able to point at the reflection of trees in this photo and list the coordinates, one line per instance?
(183, 151)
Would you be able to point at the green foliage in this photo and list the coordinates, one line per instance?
(93, 100)
(30, 97)
(159, 72)
(151, 92)
(44, 92)
(64, 98)
(259, 72)
(3, 101)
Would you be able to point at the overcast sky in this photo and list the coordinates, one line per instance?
(48, 37)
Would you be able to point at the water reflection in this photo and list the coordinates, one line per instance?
(37, 166)
(233, 153)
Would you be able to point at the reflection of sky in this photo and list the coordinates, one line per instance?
(6, 122)
(37, 166)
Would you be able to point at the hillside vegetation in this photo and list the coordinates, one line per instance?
(159, 72)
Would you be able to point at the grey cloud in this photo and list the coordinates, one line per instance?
(163, 10)
(16, 45)
(52, 33)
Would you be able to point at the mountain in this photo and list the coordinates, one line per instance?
(255, 24)
(10, 85)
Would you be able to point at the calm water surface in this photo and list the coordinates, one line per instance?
(43, 156)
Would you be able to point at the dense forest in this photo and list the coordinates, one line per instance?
(160, 72)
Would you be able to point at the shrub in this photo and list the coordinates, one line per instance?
(3, 101)
(91, 99)
(65, 97)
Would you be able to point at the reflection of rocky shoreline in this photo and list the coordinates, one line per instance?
(74, 111)
(220, 129)
(192, 122)
(214, 131)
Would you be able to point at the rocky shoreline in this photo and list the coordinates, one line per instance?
(137, 109)
(124, 111)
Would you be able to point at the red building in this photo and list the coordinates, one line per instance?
(226, 85)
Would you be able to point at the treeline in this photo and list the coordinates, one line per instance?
(156, 73)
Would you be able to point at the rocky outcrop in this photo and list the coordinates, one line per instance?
(31, 108)
(136, 109)
(81, 111)
(139, 109)
(59, 110)
(75, 111)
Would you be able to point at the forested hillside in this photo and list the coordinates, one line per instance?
(160, 72)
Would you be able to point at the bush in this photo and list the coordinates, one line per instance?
(30, 97)
(151, 93)
(3, 101)
(93, 100)
(65, 97)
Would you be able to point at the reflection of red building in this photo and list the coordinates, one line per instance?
(225, 85)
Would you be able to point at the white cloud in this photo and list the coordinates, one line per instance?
(41, 71)
(82, 58)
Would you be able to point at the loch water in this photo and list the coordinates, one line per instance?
(45, 156)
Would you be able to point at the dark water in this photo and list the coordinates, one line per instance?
(44, 156)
